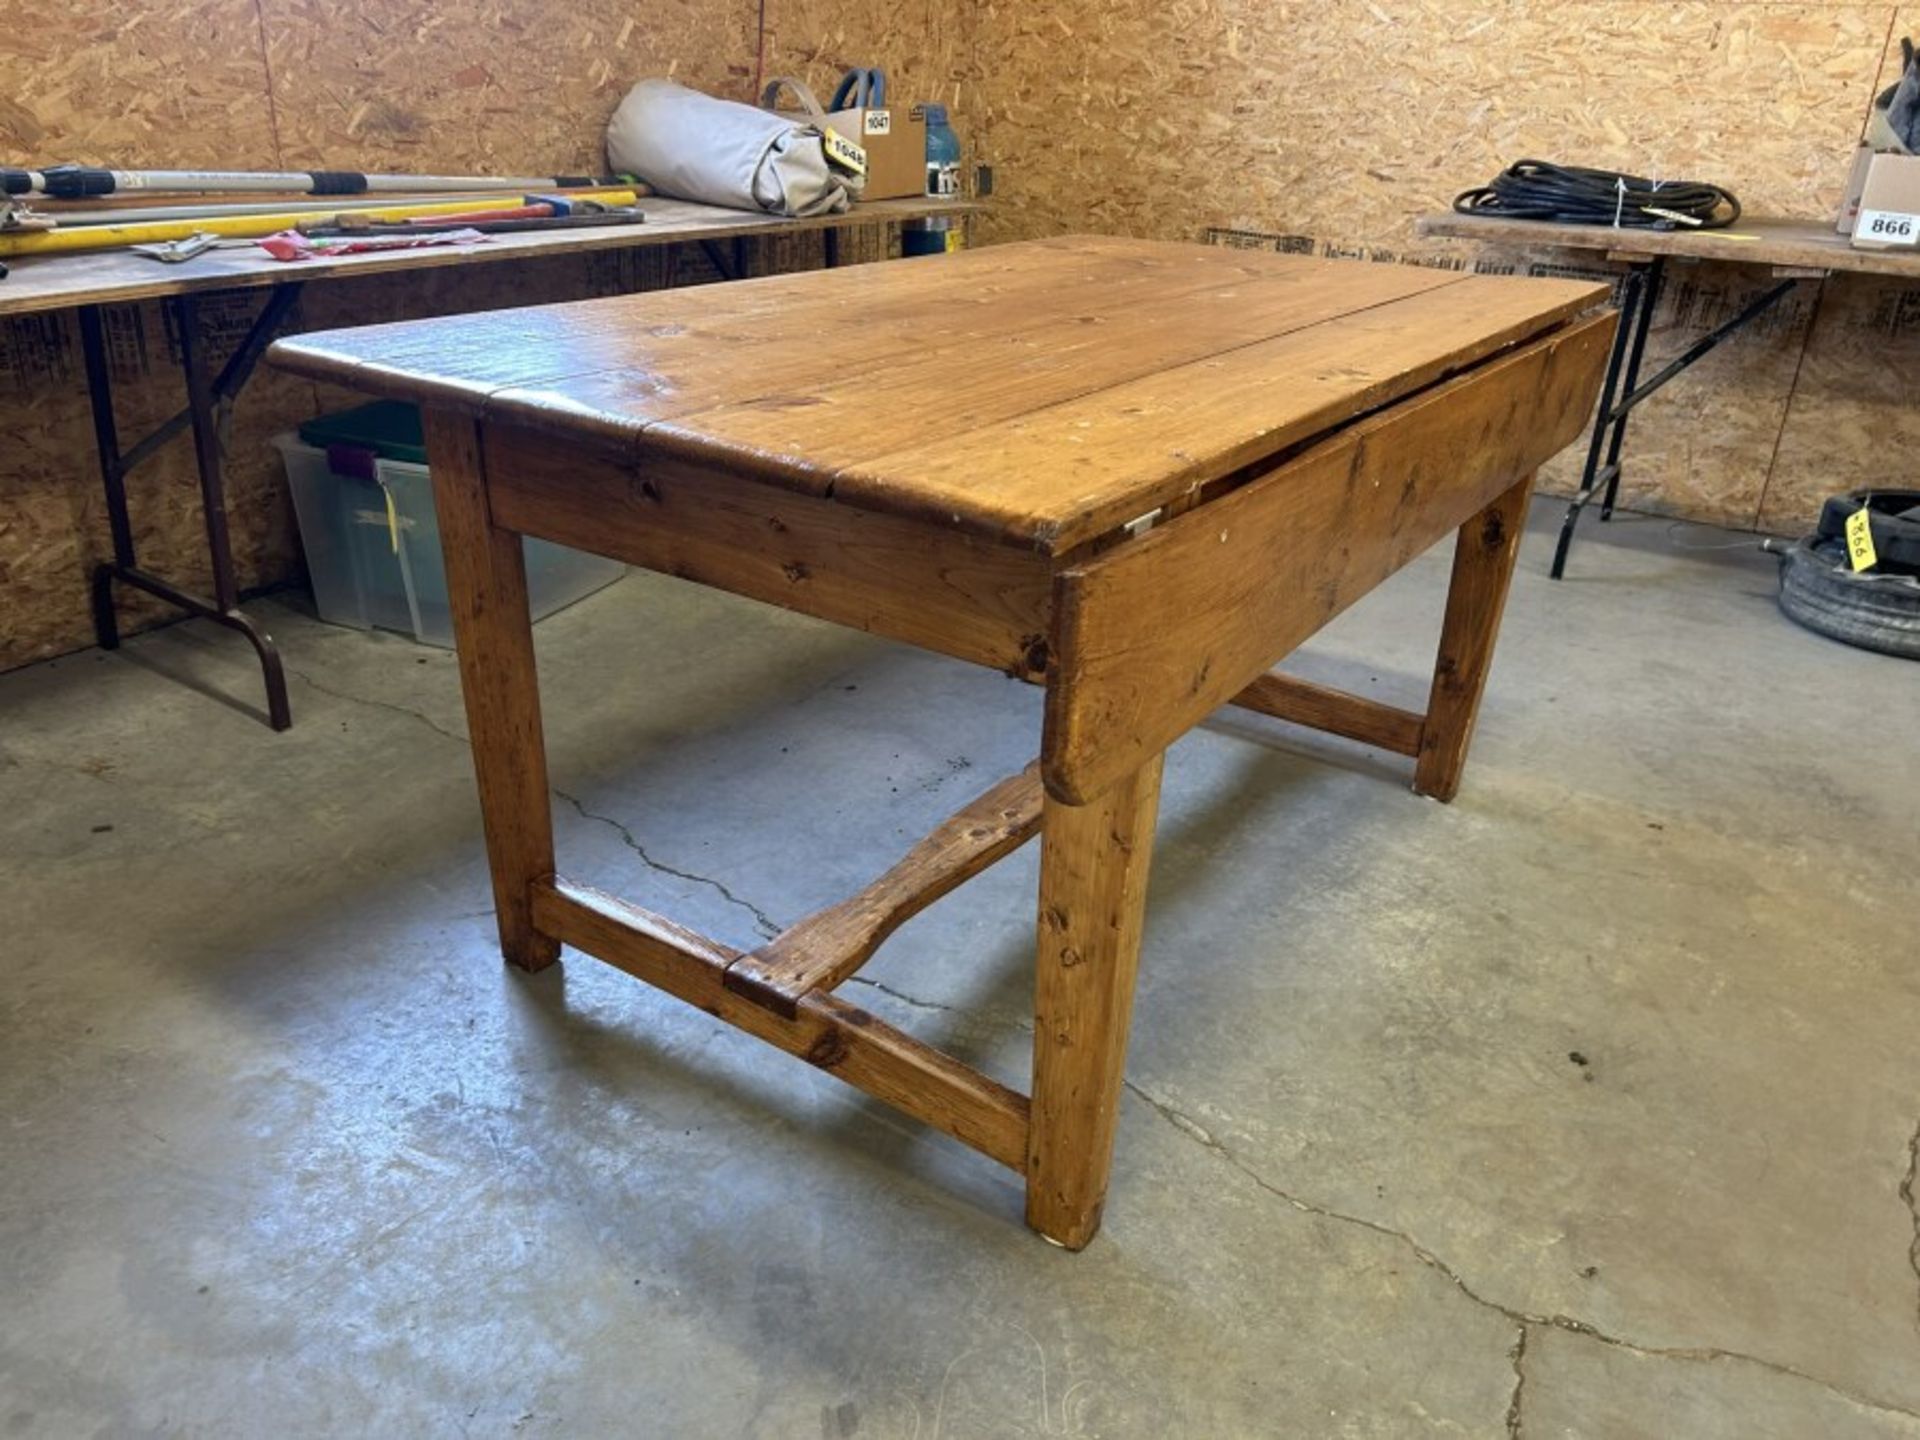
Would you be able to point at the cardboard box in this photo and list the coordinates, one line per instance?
(1889, 217)
(1856, 182)
(896, 146)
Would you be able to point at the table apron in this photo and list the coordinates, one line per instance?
(908, 580)
(1152, 636)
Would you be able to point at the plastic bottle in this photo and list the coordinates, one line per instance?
(940, 234)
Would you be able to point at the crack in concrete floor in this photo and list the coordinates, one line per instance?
(1522, 1320)
(1913, 1209)
(1193, 1130)
(1573, 1326)
(762, 921)
(425, 719)
(1518, 1355)
(765, 923)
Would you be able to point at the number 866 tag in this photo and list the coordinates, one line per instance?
(1888, 227)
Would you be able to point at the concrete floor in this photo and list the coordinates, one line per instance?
(1585, 1106)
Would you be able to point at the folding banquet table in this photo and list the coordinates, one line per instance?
(1783, 252)
(1137, 473)
(87, 283)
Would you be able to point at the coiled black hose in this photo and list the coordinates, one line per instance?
(1573, 195)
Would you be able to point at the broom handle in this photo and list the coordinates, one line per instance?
(76, 182)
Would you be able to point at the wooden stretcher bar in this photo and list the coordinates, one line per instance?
(829, 1034)
(823, 950)
(1287, 697)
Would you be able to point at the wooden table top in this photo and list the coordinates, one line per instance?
(1783, 244)
(1040, 394)
(115, 277)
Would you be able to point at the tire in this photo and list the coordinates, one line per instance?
(1819, 589)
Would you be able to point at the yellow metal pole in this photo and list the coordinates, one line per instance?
(114, 237)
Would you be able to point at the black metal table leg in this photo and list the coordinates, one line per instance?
(1639, 292)
(209, 401)
(113, 470)
(724, 256)
(1632, 287)
(1649, 300)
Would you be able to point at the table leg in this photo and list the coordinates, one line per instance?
(1483, 556)
(493, 634)
(1093, 888)
(1633, 289)
(1649, 300)
(106, 443)
(208, 400)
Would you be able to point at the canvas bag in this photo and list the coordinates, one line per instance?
(695, 147)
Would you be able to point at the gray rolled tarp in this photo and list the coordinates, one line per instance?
(694, 147)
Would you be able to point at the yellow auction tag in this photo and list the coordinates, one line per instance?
(844, 152)
(1860, 540)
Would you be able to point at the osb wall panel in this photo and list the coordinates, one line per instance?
(511, 86)
(1857, 403)
(1703, 449)
(1329, 127)
(923, 45)
(142, 82)
(1855, 419)
(1346, 119)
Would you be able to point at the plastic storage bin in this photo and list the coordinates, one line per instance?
(364, 501)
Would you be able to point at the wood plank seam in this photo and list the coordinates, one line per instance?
(678, 436)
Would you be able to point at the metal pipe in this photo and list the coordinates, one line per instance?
(78, 182)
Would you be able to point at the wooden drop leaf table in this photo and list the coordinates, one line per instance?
(1137, 473)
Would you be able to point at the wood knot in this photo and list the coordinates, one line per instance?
(828, 1051)
(1036, 656)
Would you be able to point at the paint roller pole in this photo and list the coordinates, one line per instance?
(80, 182)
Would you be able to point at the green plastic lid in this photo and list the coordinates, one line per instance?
(389, 428)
